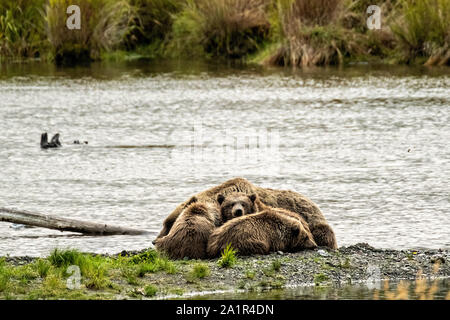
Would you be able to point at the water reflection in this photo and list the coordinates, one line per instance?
(433, 290)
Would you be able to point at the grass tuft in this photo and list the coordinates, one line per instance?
(200, 271)
(150, 290)
(228, 258)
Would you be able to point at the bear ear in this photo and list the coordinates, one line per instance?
(192, 200)
(220, 198)
(253, 197)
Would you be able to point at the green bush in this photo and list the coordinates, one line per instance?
(152, 23)
(228, 28)
(22, 32)
(423, 28)
(104, 25)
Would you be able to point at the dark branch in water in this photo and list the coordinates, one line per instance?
(54, 143)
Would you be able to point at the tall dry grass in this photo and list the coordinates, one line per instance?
(103, 26)
(230, 28)
(315, 12)
(153, 21)
(311, 34)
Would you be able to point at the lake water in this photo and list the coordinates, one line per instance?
(369, 145)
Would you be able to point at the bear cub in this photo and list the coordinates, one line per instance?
(258, 229)
(235, 205)
(189, 235)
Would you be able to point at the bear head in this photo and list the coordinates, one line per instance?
(300, 238)
(236, 204)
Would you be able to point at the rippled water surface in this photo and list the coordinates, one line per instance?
(369, 145)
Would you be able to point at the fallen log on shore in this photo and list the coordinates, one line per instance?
(64, 224)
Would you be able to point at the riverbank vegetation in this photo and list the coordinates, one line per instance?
(71, 274)
(294, 33)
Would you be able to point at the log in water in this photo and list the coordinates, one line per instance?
(63, 224)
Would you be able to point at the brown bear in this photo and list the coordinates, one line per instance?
(269, 230)
(189, 235)
(284, 199)
(235, 205)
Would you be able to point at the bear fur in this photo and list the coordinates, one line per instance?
(269, 230)
(190, 233)
(283, 199)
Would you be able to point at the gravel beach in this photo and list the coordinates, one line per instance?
(354, 264)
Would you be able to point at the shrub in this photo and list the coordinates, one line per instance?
(22, 31)
(153, 21)
(423, 28)
(307, 12)
(103, 26)
(311, 34)
(229, 28)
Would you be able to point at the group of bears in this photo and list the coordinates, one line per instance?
(253, 220)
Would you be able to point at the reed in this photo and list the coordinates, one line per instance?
(21, 28)
(103, 26)
(229, 28)
(311, 34)
(423, 29)
(153, 21)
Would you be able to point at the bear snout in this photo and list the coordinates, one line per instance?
(238, 210)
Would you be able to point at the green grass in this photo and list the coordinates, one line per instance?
(228, 258)
(220, 28)
(104, 26)
(64, 258)
(200, 271)
(150, 290)
(22, 32)
(276, 265)
(43, 267)
(152, 24)
(250, 274)
(101, 277)
(423, 29)
(319, 278)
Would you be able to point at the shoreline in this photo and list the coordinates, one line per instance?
(347, 266)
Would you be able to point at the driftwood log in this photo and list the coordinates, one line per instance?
(63, 224)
